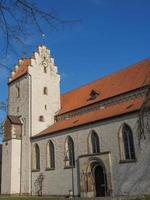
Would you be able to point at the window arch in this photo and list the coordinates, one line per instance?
(45, 91)
(93, 143)
(69, 152)
(36, 157)
(50, 153)
(126, 143)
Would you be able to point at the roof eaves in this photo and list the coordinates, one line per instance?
(84, 123)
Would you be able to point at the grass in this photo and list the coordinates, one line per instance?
(61, 198)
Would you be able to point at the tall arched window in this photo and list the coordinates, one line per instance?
(50, 150)
(93, 143)
(126, 143)
(36, 157)
(69, 152)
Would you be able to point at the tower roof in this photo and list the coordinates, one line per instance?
(21, 69)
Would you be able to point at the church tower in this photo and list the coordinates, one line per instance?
(34, 100)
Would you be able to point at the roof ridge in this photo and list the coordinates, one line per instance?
(115, 72)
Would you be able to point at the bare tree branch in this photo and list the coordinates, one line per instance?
(16, 16)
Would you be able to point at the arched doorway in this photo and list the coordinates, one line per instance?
(100, 180)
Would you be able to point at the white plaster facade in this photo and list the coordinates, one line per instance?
(127, 178)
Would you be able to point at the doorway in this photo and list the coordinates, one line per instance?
(100, 180)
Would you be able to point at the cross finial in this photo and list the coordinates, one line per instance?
(43, 37)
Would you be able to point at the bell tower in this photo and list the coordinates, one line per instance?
(34, 100)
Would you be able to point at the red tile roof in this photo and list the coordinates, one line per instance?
(101, 114)
(123, 81)
(22, 70)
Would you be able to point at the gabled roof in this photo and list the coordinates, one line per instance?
(14, 119)
(22, 69)
(98, 115)
(128, 79)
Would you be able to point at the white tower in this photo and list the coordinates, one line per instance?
(34, 99)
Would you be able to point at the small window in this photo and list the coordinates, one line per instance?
(45, 91)
(41, 118)
(18, 92)
(45, 107)
(45, 69)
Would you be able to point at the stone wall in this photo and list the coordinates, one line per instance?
(127, 178)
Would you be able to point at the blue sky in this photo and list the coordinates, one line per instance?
(108, 35)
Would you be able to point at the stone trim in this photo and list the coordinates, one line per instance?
(69, 167)
(94, 154)
(35, 170)
(49, 169)
(128, 161)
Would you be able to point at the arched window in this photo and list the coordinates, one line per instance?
(45, 91)
(50, 155)
(36, 157)
(69, 152)
(126, 143)
(93, 143)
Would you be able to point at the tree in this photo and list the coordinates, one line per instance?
(19, 18)
(16, 16)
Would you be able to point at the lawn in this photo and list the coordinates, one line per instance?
(61, 198)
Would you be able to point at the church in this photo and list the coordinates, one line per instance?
(84, 143)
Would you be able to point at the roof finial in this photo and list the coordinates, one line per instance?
(43, 37)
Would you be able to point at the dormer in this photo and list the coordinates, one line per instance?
(94, 94)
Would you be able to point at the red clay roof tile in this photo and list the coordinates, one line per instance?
(117, 83)
(22, 70)
(101, 114)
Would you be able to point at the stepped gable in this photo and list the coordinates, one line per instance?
(125, 80)
(22, 67)
(91, 117)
